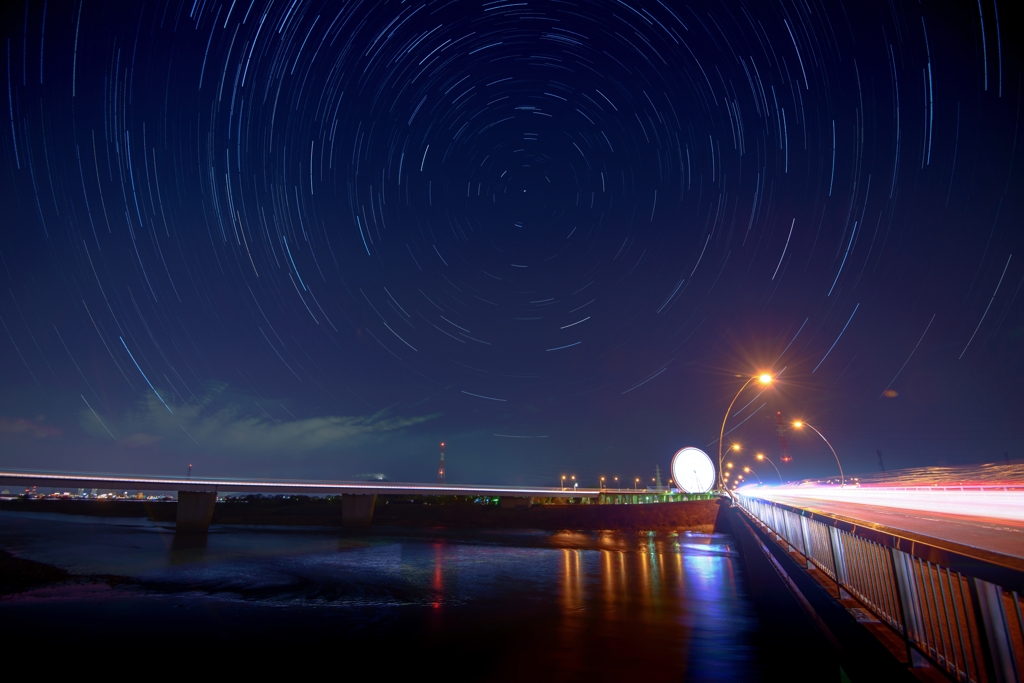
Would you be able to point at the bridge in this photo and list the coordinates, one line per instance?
(197, 497)
(888, 582)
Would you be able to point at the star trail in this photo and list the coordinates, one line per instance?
(312, 238)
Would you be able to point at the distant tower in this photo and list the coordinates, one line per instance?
(440, 468)
(881, 465)
(784, 455)
(657, 477)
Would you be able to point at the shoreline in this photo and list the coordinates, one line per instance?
(697, 515)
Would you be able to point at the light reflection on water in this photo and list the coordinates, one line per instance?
(569, 602)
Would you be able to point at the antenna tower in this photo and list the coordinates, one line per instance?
(440, 468)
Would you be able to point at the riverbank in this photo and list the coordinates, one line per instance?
(17, 575)
(697, 515)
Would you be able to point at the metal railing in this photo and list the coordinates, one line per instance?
(960, 613)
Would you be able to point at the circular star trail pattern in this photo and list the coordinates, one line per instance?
(509, 220)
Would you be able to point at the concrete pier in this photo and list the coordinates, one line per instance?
(357, 510)
(195, 510)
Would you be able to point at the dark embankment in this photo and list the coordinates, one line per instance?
(698, 515)
(18, 575)
(157, 511)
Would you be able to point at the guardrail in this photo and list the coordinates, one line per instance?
(960, 613)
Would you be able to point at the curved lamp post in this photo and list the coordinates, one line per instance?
(842, 479)
(762, 456)
(748, 470)
(765, 379)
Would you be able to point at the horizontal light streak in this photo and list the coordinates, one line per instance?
(983, 502)
(238, 485)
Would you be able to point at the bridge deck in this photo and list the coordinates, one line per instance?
(316, 488)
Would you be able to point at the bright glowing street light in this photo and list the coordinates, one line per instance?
(765, 379)
(762, 456)
(799, 424)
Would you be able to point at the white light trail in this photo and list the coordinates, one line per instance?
(993, 502)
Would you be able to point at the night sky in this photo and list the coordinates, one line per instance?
(314, 239)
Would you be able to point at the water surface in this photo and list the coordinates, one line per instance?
(497, 605)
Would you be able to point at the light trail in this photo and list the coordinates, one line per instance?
(113, 481)
(988, 502)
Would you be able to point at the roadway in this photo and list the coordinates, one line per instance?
(991, 529)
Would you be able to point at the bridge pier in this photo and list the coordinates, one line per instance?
(195, 510)
(357, 510)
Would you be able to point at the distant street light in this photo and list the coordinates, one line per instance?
(762, 456)
(765, 379)
(602, 483)
(798, 424)
(750, 471)
(563, 482)
(635, 483)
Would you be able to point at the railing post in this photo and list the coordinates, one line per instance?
(897, 576)
(835, 559)
(993, 630)
(807, 541)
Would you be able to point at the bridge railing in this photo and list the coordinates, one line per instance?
(960, 613)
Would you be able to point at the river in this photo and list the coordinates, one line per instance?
(490, 605)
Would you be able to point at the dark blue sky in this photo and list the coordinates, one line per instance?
(294, 238)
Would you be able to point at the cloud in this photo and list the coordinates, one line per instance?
(36, 428)
(234, 428)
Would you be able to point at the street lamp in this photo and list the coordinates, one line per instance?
(637, 481)
(602, 482)
(750, 471)
(563, 482)
(765, 379)
(798, 424)
(761, 456)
